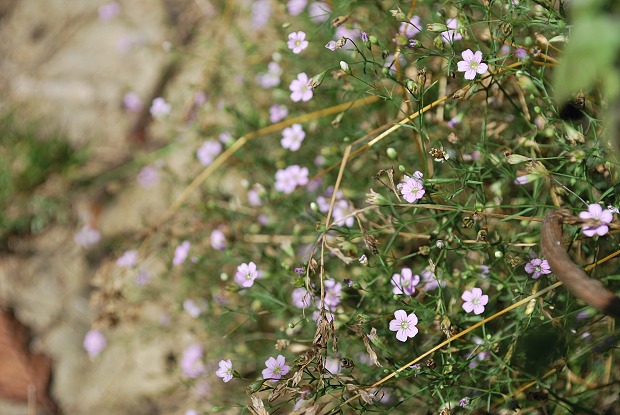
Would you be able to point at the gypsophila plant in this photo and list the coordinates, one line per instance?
(390, 179)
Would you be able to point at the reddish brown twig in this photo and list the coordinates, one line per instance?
(574, 278)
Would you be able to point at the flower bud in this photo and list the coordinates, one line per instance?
(345, 67)
(391, 153)
(436, 27)
(516, 159)
(316, 80)
(373, 39)
(398, 14)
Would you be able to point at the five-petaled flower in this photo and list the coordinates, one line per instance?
(246, 274)
(474, 301)
(454, 32)
(404, 325)
(537, 267)
(472, 64)
(601, 217)
(276, 368)
(412, 188)
(300, 88)
(292, 137)
(297, 41)
(225, 371)
(405, 282)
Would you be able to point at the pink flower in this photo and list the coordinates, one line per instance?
(128, 259)
(404, 325)
(319, 12)
(297, 41)
(94, 343)
(271, 78)
(148, 177)
(291, 177)
(521, 54)
(474, 301)
(160, 108)
(296, 7)
(472, 64)
(301, 298)
(109, 11)
(218, 240)
(132, 102)
(412, 188)
(405, 282)
(277, 113)
(225, 371)
(246, 274)
(332, 45)
(601, 217)
(276, 368)
(180, 253)
(191, 308)
(292, 137)
(453, 34)
(87, 237)
(537, 267)
(208, 152)
(261, 11)
(410, 29)
(191, 362)
(333, 293)
(300, 88)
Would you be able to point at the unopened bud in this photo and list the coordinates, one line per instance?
(436, 27)
(345, 67)
(398, 14)
(516, 159)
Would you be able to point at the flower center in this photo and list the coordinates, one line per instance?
(277, 370)
(473, 65)
(248, 276)
(475, 301)
(404, 325)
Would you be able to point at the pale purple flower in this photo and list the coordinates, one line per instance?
(254, 197)
(347, 31)
(276, 368)
(218, 240)
(364, 36)
(148, 177)
(474, 301)
(319, 12)
(464, 402)
(271, 78)
(521, 54)
(191, 362)
(180, 253)
(292, 137)
(246, 274)
(208, 151)
(277, 113)
(109, 11)
(602, 217)
(342, 209)
(412, 188)
(333, 293)
(404, 325)
(132, 102)
(472, 64)
(225, 138)
(87, 237)
(200, 98)
(94, 343)
(297, 42)
(405, 282)
(143, 277)
(191, 412)
(332, 45)
(296, 7)
(191, 308)
(225, 370)
(537, 267)
(291, 177)
(430, 280)
(526, 178)
(261, 11)
(160, 108)
(410, 29)
(301, 298)
(454, 33)
(485, 271)
(128, 259)
(300, 88)
(333, 365)
(391, 65)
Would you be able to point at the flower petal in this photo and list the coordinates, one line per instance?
(482, 68)
(400, 315)
(478, 56)
(468, 55)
